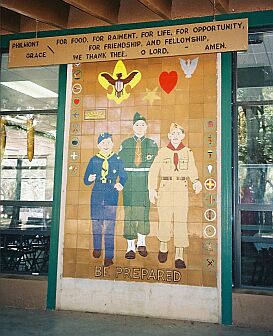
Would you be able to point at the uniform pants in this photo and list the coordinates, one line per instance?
(173, 213)
(136, 205)
(136, 220)
(103, 221)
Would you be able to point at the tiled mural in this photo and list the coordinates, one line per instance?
(141, 186)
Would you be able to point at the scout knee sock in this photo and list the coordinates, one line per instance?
(179, 253)
(131, 245)
(140, 240)
(163, 247)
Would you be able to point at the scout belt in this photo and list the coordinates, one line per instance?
(136, 169)
(170, 178)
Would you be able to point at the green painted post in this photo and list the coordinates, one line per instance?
(54, 233)
(226, 188)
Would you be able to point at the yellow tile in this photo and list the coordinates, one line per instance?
(86, 155)
(210, 96)
(209, 230)
(82, 270)
(196, 97)
(69, 270)
(195, 230)
(168, 99)
(195, 278)
(100, 127)
(209, 279)
(196, 140)
(69, 255)
(197, 83)
(101, 101)
(154, 70)
(83, 256)
(84, 212)
(195, 246)
(84, 197)
(89, 100)
(73, 183)
(182, 97)
(72, 197)
(70, 240)
(195, 215)
(181, 113)
(71, 226)
(114, 114)
(74, 156)
(210, 110)
(88, 127)
(138, 99)
(71, 212)
(84, 226)
(113, 127)
(126, 127)
(196, 125)
(210, 68)
(154, 112)
(196, 111)
(83, 241)
(87, 141)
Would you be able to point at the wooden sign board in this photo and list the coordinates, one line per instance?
(199, 38)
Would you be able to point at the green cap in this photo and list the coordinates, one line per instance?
(138, 117)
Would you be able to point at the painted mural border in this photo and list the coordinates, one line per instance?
(256, 20)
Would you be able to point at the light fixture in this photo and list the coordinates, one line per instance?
(31, 89)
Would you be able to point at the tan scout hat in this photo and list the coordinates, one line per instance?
(174, 126)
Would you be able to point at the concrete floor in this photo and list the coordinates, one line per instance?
(19, 322)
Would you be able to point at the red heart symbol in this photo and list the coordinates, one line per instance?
(76, 101)
(168, 80)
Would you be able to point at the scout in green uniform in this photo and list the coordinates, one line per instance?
(137, 154)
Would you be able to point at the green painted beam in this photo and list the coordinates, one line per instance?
(54, 232)
(226, 187)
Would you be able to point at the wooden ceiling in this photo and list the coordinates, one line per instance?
(40, 15)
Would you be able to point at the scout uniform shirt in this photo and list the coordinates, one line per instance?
(103, 192)
(135, 193)
(173, 167)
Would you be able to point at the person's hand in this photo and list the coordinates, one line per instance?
(92, 178)
(118, 186)
(153, 195)
(197, 186)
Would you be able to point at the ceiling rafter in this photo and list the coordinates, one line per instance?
(10, 21)
(106, 10)
(54, 12)
(222, 6)
(163, 8)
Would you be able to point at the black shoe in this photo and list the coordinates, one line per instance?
(179, 263)
(130, 254)
(162, 257)
(142, 250)
(96, 253)
(108, 262)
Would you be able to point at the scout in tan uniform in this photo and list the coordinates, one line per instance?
(173, 166)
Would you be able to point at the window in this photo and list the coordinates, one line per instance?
(253, 164)
(27, 133)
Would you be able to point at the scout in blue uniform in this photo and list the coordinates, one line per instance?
(103, 170)
(137, 153)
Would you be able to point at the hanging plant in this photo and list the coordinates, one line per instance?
(30, 137)
(3, 137)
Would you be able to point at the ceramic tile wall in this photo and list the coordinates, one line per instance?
(191, 103)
